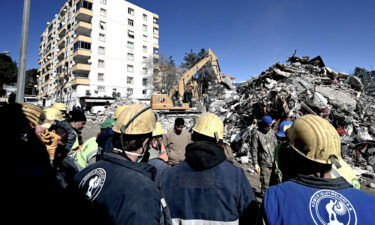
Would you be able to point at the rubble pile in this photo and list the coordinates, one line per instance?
(167, 120)
(110, 110)
(287, 91)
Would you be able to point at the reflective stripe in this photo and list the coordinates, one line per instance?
(177, 221)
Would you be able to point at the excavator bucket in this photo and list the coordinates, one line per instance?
(227, 83)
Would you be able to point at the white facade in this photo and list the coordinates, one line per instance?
(123, 39)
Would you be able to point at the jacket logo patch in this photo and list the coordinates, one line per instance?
(331, 208)
(92, 183)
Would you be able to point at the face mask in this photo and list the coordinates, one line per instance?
(139, 156)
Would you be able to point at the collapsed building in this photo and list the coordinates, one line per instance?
(304, 86)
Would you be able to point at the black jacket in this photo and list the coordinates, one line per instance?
(120, 191)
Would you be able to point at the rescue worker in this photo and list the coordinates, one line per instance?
(89, 152)
(63, 109)
(206, 188)
(70, 165)
(175, 142)
(263, 143)
(278, 167)
(158, 154)
(312, 195)
(119, 188)
(104, 139)
(77, 121)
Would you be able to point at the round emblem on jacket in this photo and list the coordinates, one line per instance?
(92, 183)
(331, 208)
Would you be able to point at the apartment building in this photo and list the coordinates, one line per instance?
(96, 50)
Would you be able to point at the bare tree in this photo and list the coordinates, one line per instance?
(165, 74)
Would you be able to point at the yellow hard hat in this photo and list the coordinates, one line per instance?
(33, 113)
(315, 138)
(60, 106)
(158, 130)
(119, 110)
(137, 119)
(210, 125)
(53, 114)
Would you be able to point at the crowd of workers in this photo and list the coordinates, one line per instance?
(135, 172)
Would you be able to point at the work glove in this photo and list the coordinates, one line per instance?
(51, 140)
(257, 168)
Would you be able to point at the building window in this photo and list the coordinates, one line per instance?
(101, 50)
(156, 31)
(144, 70)
(130, 68)
(81, 45)
(131, 11)
(102, 25)
(129, 80)
(144, 48)
(103, 1)
(131, 34)
(144, 81)
(101, 88)
(144, 59)
(103, 12)
(100, 63)
(129, 91)
(100, 76)
(130, 45)
(144, 37)
(130, 56)
(144, 27)
(130, 22)
(84, 4)
(144, 92)
(101, 37)
(144, 17)
(156, 51)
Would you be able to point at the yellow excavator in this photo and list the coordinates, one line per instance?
(174, 100)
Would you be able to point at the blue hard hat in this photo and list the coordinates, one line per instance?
(267, 120)
(283, 127)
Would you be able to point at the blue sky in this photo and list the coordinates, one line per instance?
(248, 36)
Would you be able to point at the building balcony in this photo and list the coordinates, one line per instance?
(82, 54)
(82, 38)
(80, 81)
(81, 68)
(156, 16)
(156, 25)
(156, 45)
(156, 35)
(83, 28)
(83, 14)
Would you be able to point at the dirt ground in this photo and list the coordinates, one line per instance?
(92, 129)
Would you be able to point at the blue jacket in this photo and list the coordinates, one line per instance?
(314, 200)
(207, 189)
(122, 192)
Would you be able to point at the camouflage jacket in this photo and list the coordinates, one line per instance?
(262, 147)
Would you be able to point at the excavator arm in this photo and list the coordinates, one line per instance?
(188, 74)
(165, 102)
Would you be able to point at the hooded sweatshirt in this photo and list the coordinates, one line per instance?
(207, 189)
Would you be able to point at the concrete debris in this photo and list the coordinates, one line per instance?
(287, 92)
(110, 110)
